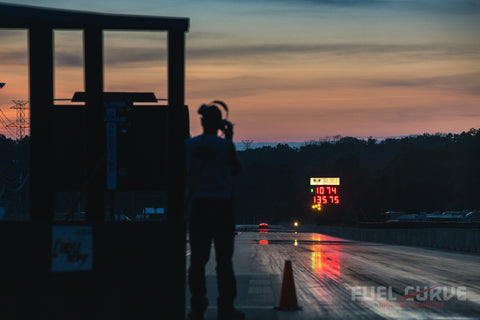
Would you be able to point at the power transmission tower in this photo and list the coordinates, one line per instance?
(247, 143)
(20, 122)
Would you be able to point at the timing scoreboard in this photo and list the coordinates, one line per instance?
(324, 191)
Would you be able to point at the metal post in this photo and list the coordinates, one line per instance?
(177, 124)
(177, 132)
(41, 100)
(95, 166)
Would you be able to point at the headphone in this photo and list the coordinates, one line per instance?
(203, 108)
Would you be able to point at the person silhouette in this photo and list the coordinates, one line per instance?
(211, 163)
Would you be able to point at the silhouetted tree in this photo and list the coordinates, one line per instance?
(415, 173)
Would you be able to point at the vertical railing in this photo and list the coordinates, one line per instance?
(40, 40)
(177, 132)
(95, 162)
(177, 124)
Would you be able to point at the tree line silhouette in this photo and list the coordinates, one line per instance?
(429, 172)
(14, 168)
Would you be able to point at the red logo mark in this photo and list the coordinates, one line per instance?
(411, 295)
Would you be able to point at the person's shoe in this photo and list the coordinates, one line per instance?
(195, 315)
(234, 314)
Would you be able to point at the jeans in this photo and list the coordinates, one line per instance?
(212, 220)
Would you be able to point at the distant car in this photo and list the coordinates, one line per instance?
(473, 216)
(448, 216)
(263, 225)
(408, 218)
(393, 215)
(122, 217)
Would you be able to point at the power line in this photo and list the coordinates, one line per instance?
(4, 116)
(6, 123)
(7, 129)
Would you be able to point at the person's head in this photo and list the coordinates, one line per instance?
(211, 118)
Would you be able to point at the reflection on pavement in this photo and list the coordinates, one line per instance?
(325, 261)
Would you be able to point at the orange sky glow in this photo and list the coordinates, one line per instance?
(289, 71)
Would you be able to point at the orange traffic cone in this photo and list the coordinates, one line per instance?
(288, 296)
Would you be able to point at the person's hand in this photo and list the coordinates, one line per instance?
(228, 130)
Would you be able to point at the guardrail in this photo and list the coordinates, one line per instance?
(461, 239)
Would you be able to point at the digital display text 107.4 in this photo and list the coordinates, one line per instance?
(324, 191)
(326, 195)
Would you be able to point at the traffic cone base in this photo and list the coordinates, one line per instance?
(288, 296)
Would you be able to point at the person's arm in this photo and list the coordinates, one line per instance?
(228, 130)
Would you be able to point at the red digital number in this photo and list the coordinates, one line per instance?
(326, 199)
(334, 190)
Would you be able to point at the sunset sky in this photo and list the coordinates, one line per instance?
(290, 70)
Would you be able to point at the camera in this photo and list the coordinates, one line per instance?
(225, 125)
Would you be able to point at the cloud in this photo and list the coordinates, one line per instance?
(408, 114)
(225, 54)
(207, 35)
(128, 55)
(13, 57)
(368, 115)
(338, 49)
(69, 59)
(254, 85)
(9, 36)
(467, 83)
(116, 57)
(146, 47)
(427, 6)
(347, 3)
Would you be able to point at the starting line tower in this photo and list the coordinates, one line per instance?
(97, 268)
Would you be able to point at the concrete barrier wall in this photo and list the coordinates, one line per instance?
(463, 239)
